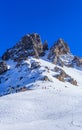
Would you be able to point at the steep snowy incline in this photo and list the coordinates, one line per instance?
(37, 73)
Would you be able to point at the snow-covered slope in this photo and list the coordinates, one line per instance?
(45, 87)
(35, 73)
(30, 65)
(43, 109)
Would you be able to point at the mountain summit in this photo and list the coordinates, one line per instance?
(30, 64)
(29, 45)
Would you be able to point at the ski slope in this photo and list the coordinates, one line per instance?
(47, 105)
(42, 109)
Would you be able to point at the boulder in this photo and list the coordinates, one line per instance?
(45, 78)
(35, 65)
(77, 61)
(59, 77)
(72, 81)
(3, 67)
(57, 69)
(23, 89)
(6, 56)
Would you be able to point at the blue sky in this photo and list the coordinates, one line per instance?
(52, 19)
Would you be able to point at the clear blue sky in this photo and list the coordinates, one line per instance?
(52, 19)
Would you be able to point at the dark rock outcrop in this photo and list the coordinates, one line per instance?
(45, 46)
(58, 49)
(63, 76)
(77, 61)
(45, 78)
(35, 65)
(3, 67)
(30, 45)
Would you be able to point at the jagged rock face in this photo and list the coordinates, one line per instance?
(45, 46)
(30, 45)
(58, 49)
(3, 67)
(63, 76)
(25, 71)
(77, 61)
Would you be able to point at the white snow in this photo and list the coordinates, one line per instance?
(44, 109)
(56, 107)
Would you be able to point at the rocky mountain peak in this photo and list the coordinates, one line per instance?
(57, 50)
(29, 45)
(24, 65)
(31, 39)
(60, 47)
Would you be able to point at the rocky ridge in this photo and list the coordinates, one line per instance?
(30, 46)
